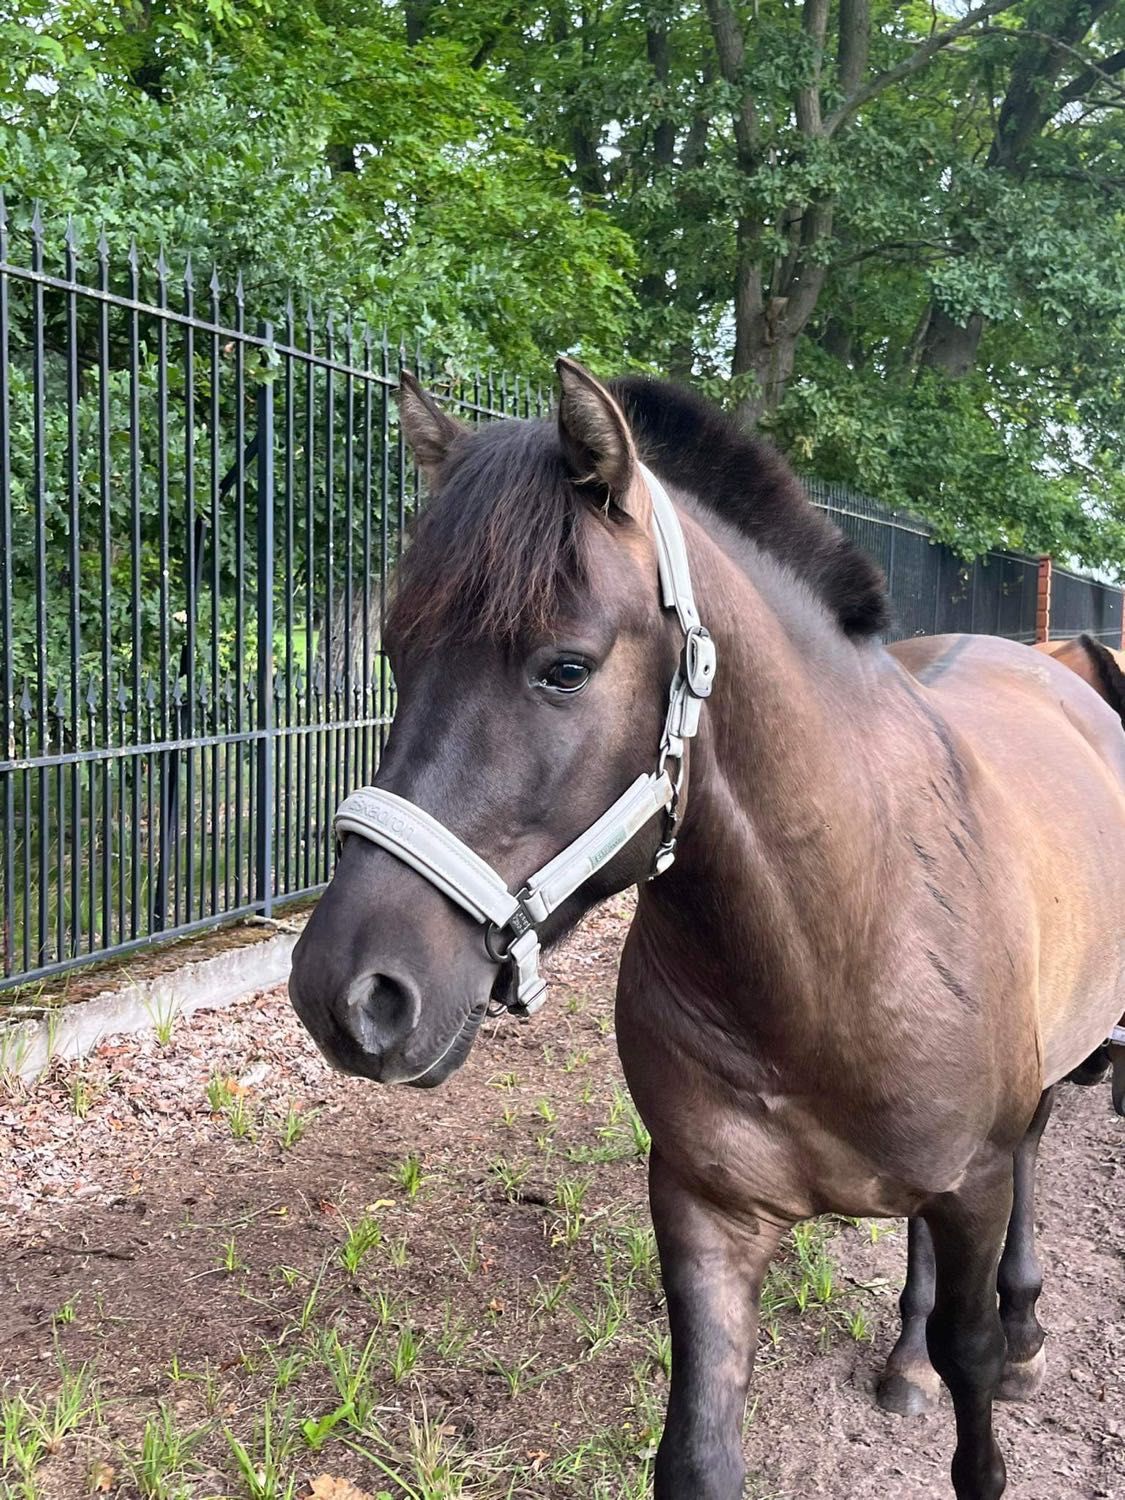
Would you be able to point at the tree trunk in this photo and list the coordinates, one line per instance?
(417, 20)
(1030, 102)
(948, 346)
(772, 366)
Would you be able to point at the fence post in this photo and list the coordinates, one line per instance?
(263, 895)
(1043, 602)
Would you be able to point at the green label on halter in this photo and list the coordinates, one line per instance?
(600, 856)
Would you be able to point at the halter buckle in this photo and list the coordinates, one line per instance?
(699, 661)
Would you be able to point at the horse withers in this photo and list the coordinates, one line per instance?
(883, 918)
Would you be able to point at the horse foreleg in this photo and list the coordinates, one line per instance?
(713, 1266)
(910, 1383)
(1020, 1277)
(964, 1333)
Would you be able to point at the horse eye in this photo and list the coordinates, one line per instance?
(565, 676)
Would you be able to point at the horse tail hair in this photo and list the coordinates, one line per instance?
(1110, 675)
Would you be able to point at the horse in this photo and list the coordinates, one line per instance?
(877, 915)
(909, 1384)
(1096, 663)
(1104, 669)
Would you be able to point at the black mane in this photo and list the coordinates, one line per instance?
(500, 548)
(696, 446)
(1110, 675)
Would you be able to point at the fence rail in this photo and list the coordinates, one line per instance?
(198, 520)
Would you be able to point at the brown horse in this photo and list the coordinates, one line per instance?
(1104, 669)
(891, 924)
(909, 1384)
(1097, 664)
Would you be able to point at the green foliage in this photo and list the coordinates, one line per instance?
(501, 183)
(317, 151)
(916, 207)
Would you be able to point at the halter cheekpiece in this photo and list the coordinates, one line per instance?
(512, 920)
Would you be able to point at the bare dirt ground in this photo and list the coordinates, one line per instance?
(227, 1271)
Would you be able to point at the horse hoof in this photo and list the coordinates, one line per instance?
(908, 1398)
(1093, 1070)
(1021, 1380)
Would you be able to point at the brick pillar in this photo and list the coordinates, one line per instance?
(1043, 602)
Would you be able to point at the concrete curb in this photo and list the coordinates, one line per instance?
(27, 1047)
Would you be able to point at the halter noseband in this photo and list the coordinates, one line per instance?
(420, 841)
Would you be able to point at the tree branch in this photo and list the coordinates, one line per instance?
(855, 39)
(664, 133)
(695, 144)
(943, 246)
(910, 65)
(730, 48)
(814, 23)
(1101, 71)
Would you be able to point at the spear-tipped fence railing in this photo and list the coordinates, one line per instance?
(198, 517)
(199, 514)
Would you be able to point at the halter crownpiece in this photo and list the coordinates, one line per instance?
(428, 847)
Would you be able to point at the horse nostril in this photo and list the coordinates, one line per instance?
(382, 1011)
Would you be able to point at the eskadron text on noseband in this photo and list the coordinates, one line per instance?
(420, 841)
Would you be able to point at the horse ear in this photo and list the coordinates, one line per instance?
(429, 431)
(596, 442)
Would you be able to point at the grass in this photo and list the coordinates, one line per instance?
(409, 1176)
(241, 1119)
(510, 1177)
(33, 1428)
(624, 1134)
(15, 1049)
(319, 1399)
(362, 1237)
(230, 1260)
(221, 1093)
(260, 1460)
(161, 1467)
(66, 1313)
(162, 1014)
(293, 1125)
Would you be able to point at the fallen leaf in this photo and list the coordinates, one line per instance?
(102, 1476)
(325, 1487)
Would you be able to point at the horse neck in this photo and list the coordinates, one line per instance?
(785, 846)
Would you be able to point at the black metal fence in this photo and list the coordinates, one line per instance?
(934, 591)
(1083, 605)
(198, 516)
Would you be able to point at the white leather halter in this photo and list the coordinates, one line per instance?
(420, 841)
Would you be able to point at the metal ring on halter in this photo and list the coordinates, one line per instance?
(494, 953)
